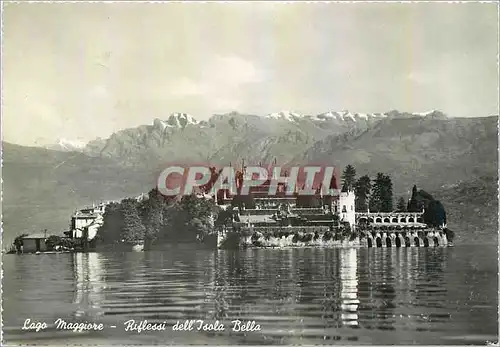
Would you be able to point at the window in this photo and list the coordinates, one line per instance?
(344, 209)
(352, 208)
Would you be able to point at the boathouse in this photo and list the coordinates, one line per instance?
(34, 243)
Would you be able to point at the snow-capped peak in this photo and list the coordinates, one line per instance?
(75, 144)
(425, 113)
(346, 115)
(433, 114)
(285, 115)
(62, 144)
(343, 115)
(176, 120)
(181, 120)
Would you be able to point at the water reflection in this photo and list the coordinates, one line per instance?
(89, 285)
(298, 296)
(349, 285)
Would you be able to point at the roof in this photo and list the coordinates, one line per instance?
(36, 236)
(256, 219)
(85, 215)
(41, 235)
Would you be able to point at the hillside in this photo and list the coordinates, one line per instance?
(42, 187)
(472, 209)
(429, 152)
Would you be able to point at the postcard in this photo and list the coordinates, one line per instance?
(249, 173)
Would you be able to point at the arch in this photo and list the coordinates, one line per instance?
(407, 241)
(378, 241)
(394, 220)
(370, 242)
(378, 220)
(387, 220)
(426, 242)
(388, 242)
(411, 220)
(417, 241)
(402, 220)
(436, 241)
(398, 241)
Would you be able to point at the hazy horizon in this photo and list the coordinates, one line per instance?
(86, 70)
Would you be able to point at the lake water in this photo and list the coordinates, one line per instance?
(297, 296)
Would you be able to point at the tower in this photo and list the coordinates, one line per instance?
(347, 208)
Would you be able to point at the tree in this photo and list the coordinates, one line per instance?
(224, 217)
(348, 178)
(420, 199)
(110, 230)
(435, 214)
(153, 215)
(401, 206)
(18, 241)
(381, 199)
(195, 217)
(158, 219)
(377, 192)
(133, 229)
(412, 204)
(362, 189)
(52, 241)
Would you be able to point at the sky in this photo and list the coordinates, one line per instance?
(81, 71)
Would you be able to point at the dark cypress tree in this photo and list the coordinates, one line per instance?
(386, 198)
(377, 193)
(348, 178)
(381, 198)
(413, 204)
(362, 189)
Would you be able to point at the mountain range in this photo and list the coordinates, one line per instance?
(234, 136)
(42, 187)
